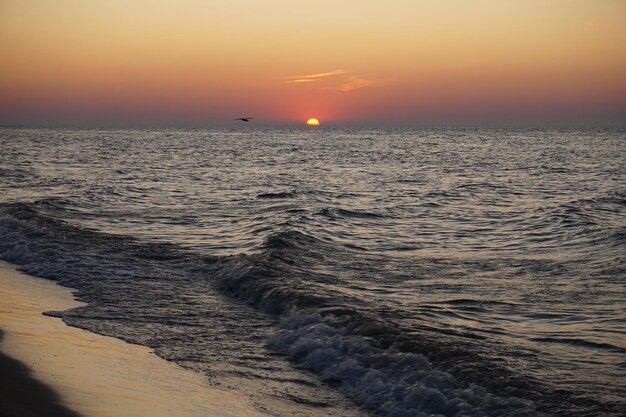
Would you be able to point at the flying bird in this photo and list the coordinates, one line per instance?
(245, 119)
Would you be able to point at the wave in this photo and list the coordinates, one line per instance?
(143, 292)
(280, 195)
(386, 380)
(374, 361)
(335, 213)
(582, 343)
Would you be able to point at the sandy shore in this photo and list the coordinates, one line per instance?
(51, 369)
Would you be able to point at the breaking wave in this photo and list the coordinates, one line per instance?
(169, 298)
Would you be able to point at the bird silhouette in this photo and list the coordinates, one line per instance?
(245, 119)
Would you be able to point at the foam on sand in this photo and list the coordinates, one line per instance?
(96, 375)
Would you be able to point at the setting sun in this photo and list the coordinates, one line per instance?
(313, 122)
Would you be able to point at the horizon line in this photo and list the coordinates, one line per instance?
(321, 126)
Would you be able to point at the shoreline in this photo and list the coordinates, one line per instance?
(53, 366)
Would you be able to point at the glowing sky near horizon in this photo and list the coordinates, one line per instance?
(407, 62)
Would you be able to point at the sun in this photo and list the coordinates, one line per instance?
(313, 122)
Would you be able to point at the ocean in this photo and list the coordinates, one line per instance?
(342, 271)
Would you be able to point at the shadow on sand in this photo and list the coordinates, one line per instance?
(21, 395)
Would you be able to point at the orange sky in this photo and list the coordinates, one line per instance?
(408, 62)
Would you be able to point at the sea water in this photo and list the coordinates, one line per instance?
(392, 272)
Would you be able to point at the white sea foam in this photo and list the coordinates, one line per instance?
(390, 382)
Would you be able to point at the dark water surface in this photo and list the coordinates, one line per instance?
(342, 271)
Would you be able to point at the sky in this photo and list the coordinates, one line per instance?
(388, 63)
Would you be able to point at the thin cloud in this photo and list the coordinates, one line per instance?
(315, 76)
(597, 22)
(355, 83)
(337, 80)
(303, 80)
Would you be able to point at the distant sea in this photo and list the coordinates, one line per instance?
(395, 272)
